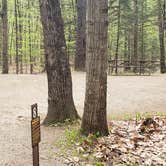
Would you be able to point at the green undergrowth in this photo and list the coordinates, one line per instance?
(71, 145)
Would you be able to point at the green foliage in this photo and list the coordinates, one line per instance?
(72, 136)
(99, 163)
(32, 38)
(148, 15)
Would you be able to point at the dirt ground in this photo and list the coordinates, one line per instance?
(128, 94)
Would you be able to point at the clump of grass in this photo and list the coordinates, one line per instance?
(72, 136)
(99, 163)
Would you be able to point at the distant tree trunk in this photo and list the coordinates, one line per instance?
(60, 100)
(125, 49)
(94, 117)
(11, 42)
(16, 26)
(129, 50)
(142, 29)
(81, 36)
(142, 58)
(117, 40)
(1, 40)
(5, 37)
(135, 54)
(164, 7)
(161, 38)
(29, 34)
(20, 36)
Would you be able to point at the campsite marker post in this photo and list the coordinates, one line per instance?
(35, 134)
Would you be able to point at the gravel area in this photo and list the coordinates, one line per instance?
(128, 94)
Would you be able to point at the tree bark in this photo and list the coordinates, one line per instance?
(80, 56)
(60, 100)
(94, 117)
(125, 49)
(135, 54)
(30, 40)
(20, 29)
(117, 40)
(5, 37)
(16, 44)
(161, 38)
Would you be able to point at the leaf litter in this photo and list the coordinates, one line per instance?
(132, 142)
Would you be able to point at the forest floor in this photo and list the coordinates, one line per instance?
(126, 96)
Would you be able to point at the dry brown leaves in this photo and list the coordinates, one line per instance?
(129, 143)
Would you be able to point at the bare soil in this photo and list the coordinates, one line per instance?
(17, 92)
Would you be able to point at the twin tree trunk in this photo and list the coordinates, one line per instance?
(5, 37)
(80, 56)
(94, 117)
(161, 36)
(60, 101)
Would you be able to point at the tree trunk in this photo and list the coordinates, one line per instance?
(60, 100)
(17, 47)
(142, 58)
(117, 41)
(161, 38)
(135, 55)
(94, 117)
(81, 36)
(30, 40)
(129, 50)
(20, 28)
(5, 37)
(125, 49)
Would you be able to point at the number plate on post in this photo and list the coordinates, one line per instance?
(35, 128)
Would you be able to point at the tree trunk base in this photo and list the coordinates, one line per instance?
(58, 113)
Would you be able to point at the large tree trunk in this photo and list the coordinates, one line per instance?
(161, 38)
(94, 117)
(81, 36)
(135, 54)
(60, 100)
(5, 37)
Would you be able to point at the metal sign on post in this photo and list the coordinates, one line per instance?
(35, 134)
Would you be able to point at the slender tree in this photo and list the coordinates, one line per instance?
(60, 99)
(17, 37)
(5, 37)
(117, 40)
(81, 35)
(94, 117)
(20, 28)
(30, 40)
(135, 53)
(161, 37)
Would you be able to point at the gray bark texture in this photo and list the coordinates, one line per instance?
(80, 56)
(161, 37)
(60, 100)
(135, 53)
(5, 37)
(94, 117)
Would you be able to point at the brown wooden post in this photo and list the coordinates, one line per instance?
(35, 133)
